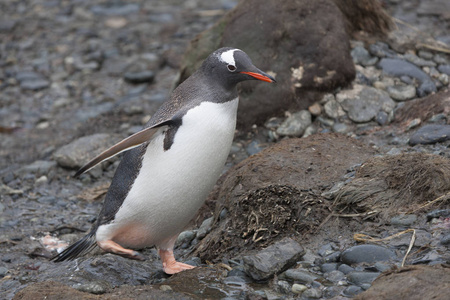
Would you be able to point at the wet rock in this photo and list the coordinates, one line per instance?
(40, 167)
(186, 237)
(366, 254)
(334, 276)
(95, 287)
(420, 62)
(328, 267)
(402, 92)
(333, 109)
(445, 240)
(382, 118)
(273, 259)
(382, 50)
(361, 56)
(403, 220)
(381, 267)
(398, 67)
(3, 272)
(295, 124)
(360, 278)
(363, 103)
(205, 227)
(312, 294)
(344, 268)
(78, 152)
(115, 9)
(444, 69)
(352, 291)
(301, 276)
(139, 77)
(430, 134)
(298, 288)
(327, 68)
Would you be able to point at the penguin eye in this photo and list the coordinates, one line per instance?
(231, 68)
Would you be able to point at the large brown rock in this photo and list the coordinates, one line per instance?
(304, 43)
(277, 193)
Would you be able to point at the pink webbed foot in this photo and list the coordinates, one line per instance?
(113, 247)
(170, 265)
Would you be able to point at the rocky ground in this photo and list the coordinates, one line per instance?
(328, 201)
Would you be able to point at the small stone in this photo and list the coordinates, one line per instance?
(186, 237)
(444, 69)
(352, 291)
(312, 294)
(413, 124)
(401, 92)
(139, 77)
(273, 259)
(359, 278)
(34, 85)
(283, 286)
(3, 272)
(335, 276)
(253, 148)
(295, 124)
(340, 127)
(116, 22)
(382, 118)
(445, 240)
(300, 276)
(381, 267)
(333, 109)
(165, 288)
(298, 288)
(403, 220)
(205, 228)
(381, 50)
(440, 59)
(438, 213)
(366, 254)
(420, 62)
(315, 109)
(425, 54)
(345, 268)
(333, 257)
(96, 288)
(430, 134)
(443, 78)
(328, 267)
(361, 56)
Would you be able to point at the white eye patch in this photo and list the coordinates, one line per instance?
(228, 57)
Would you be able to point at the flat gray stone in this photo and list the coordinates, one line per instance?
(360, 278)
(402, 92)
(430, 134)
(366, 254)
(295, 124)
(273, 259)
(301, 276)
(80, 151)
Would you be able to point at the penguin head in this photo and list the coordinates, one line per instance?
(230, 66)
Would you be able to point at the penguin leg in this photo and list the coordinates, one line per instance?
(113, 247)
(170, 265)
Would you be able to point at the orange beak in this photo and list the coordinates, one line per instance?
(260, 76)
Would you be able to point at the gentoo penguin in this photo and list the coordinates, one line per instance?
(171, 165)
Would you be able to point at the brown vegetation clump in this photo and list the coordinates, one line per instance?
(260, 217)
(398, 183)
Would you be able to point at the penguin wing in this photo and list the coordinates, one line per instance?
(130, 142)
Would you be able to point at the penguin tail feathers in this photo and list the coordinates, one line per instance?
(77, 249)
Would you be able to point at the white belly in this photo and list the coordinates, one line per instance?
(172, 185)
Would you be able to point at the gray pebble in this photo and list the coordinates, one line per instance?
(381, 266)
(425, 54)
(352, 291)
(430, 134)
(335, 276)
(382, 118)
(312, 294)
(333, 257)
(445, 240)
(420, 62)
(283, 287)
(253, 148)
(139, 77)
(300, 276)
(381, 50)
(34, 85)
(3, 272)
(205, 228)
(186, 237)
(340, 128)
(295, 124)
(92, 287)
(440, 59)
(361, 56)
(328, 267)
(298, 288)
(366, 254)
(359, 278)
(438, 213)
(403, 220)
(444, 69)
(344, 268)
(402, 92)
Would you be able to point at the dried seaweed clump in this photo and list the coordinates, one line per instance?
(398, 183)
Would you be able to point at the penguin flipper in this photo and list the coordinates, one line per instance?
(130, 142)
(77, 249)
